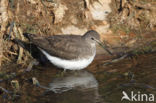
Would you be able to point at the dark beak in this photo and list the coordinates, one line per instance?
(103, 46)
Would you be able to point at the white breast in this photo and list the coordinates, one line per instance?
(75, 64)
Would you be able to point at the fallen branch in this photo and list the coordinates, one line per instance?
(115, 60)
(5, 90)
(19, 34)
(141, 85)
(36, 82)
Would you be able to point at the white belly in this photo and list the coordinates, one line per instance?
(76, 64)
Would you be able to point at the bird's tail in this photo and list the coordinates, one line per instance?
(19, 42)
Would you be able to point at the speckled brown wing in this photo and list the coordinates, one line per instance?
(63, 46)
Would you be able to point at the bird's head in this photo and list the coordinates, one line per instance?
(92, 37)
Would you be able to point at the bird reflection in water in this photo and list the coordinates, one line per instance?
(74, 80)
(73, 87)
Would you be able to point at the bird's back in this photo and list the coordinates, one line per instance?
(63, 46)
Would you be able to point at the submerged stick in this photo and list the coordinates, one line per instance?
(36, 82)
(141, 85)
(115, 60)
(5, 90)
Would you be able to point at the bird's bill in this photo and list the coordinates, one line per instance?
(103, 46)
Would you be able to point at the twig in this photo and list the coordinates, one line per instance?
(11, 28)
(142, 85)
(4, 57)
(12, 53)
(8, 92)
(116, 60)
(5, 90)
(36, 82)
(31, 64)
(18, 33)
(21, 49)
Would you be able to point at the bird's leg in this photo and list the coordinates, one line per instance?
(63, 72)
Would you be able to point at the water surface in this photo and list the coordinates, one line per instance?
(98, 83)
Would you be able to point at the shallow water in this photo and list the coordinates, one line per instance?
(98, 83)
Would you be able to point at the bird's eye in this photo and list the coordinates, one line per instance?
(92, 38)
